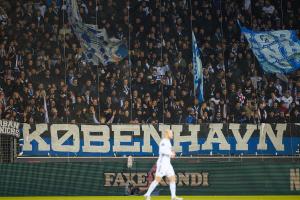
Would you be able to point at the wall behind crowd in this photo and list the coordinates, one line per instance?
(44, 77)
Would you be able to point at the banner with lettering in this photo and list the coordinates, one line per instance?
(112, 177)
(9, 128)
(142, 140)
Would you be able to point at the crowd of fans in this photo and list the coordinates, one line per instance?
(44, 77)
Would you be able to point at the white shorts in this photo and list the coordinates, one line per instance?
(164, 169)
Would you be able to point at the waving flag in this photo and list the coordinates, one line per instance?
(98, 47)
(198, 73)
(276, 51)
(46, 111)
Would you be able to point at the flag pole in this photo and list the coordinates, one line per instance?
(191, 24)
(97, 7)
(161, 58)
(129, 60)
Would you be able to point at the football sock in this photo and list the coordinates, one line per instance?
(173, 189)
(151, 188)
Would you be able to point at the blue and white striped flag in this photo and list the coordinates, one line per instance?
(198, 73)
(46, 111)
(97, 46)
(276, 51)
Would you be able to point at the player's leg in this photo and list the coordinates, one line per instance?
(172, 180)
(160, 172)
(152, 186)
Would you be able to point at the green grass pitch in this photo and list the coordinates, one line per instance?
(155, 198)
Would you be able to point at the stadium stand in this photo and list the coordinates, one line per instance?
(44, 77)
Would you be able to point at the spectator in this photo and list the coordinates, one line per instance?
(40, 55)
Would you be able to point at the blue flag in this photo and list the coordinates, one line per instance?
(97, 46)
(276, 51)
(198, 73)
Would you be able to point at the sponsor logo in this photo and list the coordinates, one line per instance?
(294, 180)
(191, 179)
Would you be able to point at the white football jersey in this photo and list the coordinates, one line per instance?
(164, 167)
(165, 151)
